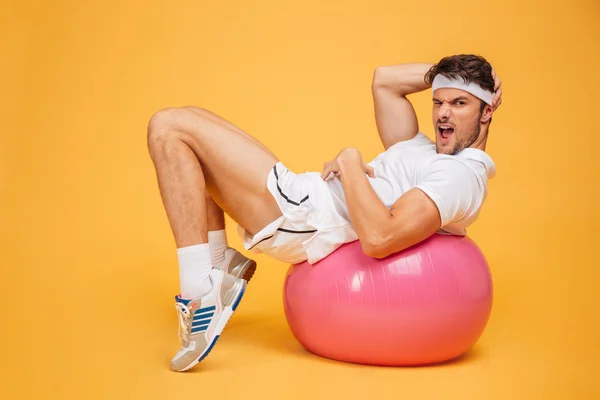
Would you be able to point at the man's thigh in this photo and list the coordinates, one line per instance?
(235, 165)
(218, 119)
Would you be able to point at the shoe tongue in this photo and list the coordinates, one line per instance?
(182, 301)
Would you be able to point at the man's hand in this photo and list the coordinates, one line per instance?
(497, 100)
(348, 154)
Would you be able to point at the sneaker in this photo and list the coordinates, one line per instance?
(238, 265)
(201, 320)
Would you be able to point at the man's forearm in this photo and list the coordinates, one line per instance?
(402, 79)
(367, 212)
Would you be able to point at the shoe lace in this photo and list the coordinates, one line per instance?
(183, 312)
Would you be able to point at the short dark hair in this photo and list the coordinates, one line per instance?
(470, 67)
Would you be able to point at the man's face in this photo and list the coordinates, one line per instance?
(456, 118)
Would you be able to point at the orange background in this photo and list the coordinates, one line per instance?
(88, 262)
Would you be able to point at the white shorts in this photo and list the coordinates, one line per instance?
(310, 227)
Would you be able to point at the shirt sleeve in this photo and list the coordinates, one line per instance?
(453, 187)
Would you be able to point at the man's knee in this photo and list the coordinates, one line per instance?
(168, 123)
(175, 118)
(161, 123)
(198, 111)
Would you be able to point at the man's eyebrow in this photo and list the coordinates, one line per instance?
(453, 100)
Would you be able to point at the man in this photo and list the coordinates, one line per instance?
(205, 166)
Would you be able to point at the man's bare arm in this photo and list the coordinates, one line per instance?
(394, 114)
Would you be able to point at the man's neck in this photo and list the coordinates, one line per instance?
(481, 141)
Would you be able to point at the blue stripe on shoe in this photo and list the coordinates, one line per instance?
(199, 329)
(200, 323)
(202, 316)
(205, 309)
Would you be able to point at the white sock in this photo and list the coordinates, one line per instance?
(217, 241)
(194, 268)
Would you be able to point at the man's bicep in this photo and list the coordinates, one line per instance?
(415, 217)
(418, 214)
(395, 116)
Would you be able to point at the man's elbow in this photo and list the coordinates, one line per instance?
(381, 246)
(376, 76)
(387, 78)
(380, 77)
(376, 247)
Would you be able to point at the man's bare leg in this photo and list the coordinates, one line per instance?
(215, 216)
(176, 140)
(196, 152)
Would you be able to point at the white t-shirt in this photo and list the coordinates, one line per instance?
(457, 184)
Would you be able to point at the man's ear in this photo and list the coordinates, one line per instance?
(486, 115)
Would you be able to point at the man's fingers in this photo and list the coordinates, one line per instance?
(325, 169)
(497, 81)
(497, 99)
(497, 85)
(329, 168)
(370, 171)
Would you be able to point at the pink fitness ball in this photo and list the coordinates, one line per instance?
(427, 304)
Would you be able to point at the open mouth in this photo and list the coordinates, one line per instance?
(445, 132)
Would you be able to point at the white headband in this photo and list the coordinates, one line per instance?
(440, 81)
